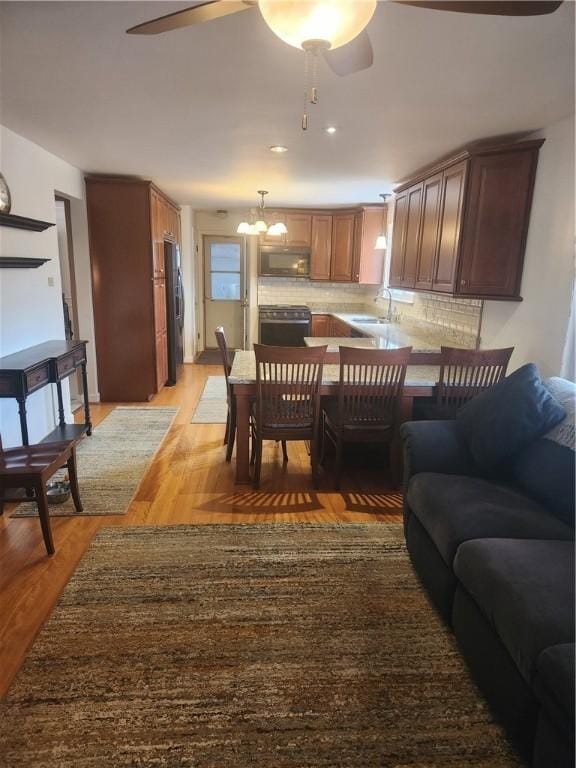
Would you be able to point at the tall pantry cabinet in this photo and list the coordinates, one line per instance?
(129, 221)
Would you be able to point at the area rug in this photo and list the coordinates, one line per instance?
(113, 461)
(247, 646)
(212, 407)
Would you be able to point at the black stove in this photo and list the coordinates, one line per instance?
(284, 325)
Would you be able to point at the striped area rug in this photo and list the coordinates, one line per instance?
(113, 461)
(247, 646)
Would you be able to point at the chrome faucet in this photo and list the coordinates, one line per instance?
(379, 295)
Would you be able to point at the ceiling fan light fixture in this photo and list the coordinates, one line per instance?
(281, 228)
(261, 226)
(279, 149)
(243, 228)
(335, 22)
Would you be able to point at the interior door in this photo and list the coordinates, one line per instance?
(224, 290)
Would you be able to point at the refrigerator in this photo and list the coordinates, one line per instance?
(174, 311)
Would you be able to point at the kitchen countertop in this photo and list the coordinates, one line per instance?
(420, 335)
(244, 372)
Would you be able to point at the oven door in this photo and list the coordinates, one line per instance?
(284, 333)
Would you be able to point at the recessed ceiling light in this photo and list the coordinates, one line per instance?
(278, 148)
(330, 129)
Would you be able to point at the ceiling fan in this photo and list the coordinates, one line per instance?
(334, 24)
(334, 29)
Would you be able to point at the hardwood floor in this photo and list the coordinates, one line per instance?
(188, 482)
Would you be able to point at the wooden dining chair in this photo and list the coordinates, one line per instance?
(287, 405)
(227, 359)
(367, 408)
(464, 373)
(29, 467)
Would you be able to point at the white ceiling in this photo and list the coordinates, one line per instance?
(196, 109)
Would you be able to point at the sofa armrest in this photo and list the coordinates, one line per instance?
(434, 446)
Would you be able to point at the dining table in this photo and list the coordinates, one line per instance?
(420, 381)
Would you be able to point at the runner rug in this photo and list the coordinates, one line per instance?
(236, 646)
(212, 407)
(112, 461)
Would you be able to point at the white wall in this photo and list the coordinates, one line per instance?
(537, 327)
(187, 221)
(30, 308)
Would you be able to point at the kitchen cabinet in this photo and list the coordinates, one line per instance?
(340, 328)
(274, 217)
(453, 185)
(460, 225)
(129, 220)
(341, 242)
(342, 262)
(321, 247)
(431, 198)
(368, 266)
(321, 325)
(299, 226)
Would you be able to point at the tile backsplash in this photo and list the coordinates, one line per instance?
(458, 316)
(317, 295)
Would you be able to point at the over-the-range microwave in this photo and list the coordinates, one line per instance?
(283, 261)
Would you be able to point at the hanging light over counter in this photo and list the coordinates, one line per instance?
(381, 242)
(260, 226)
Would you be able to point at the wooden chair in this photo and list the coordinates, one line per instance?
(367, 408)
(287, 405)
(30, 467)
(227, 358)
(464, 373)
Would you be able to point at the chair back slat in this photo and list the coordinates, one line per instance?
(371, 385)
(464, 373)
(287, 384)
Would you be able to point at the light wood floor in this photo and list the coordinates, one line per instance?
(188, 482)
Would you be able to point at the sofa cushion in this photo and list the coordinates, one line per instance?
(457, 508)
(546, 471)
(525, 590)
(554, 684)
(499, 422)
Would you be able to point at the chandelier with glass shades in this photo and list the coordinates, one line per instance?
(259, 226)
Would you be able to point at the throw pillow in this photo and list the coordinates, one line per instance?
(502, 420)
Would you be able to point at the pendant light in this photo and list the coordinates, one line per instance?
(260, 227)
(381, 242)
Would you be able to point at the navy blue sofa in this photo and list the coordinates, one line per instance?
(496, 555)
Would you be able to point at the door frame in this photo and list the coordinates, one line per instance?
(244, 301)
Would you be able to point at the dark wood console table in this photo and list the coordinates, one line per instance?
(31, 369)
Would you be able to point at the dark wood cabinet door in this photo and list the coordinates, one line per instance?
(398, 240)
(414, 207)
(321, 325)
(299, 227)
(161, 359)
(498, 212)
(342, 247)
(321, 248)
(453, 189)
(431, 199)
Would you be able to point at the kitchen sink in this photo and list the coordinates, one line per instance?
(369, 320)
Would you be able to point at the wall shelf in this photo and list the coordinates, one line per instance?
(19, 262)
(22, 222)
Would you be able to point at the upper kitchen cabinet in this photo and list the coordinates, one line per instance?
(299, 226)
(342, 266)
(368, 261)
(321, 247)
(460, 226)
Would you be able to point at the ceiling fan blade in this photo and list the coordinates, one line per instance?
(214, 9)
(489, 7)
(352, 57)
